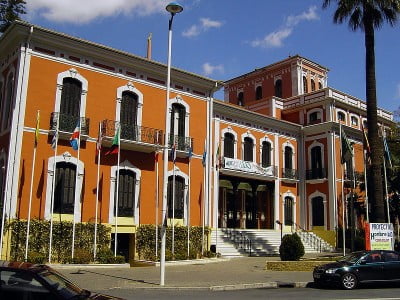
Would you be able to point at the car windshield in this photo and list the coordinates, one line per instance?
(352, 257)
(63, 286)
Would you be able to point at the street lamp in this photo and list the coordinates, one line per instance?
(173, 8)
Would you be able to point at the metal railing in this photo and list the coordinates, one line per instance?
(290, 173)
(133, 132)
(182, 143)
(67, 123)
(310, 239)
(317, 173)
(240, 240)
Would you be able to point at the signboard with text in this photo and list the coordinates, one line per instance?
(379, 236)
(247, 166)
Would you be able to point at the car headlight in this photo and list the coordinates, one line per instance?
(330, 271)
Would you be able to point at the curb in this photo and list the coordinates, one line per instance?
(232, 287)
(88, 266)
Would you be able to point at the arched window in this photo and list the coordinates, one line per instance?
(8, 100)
(64, 195)
(320, 85)
(229, 145)
(258, 92)
(176, 209)
(178, 116)
(128, 116)
(317, 211)
(248, 149)
(316, 163)
(288, 158)
(126, 193)
(354, 121)
(278, 88)
(240, 99)
(70, 104)
(288, 211)
(341, 116)
(266, 154)
(2, 182)
(305, 86)
(312, 85)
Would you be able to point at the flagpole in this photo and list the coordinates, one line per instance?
(98, 147)
(202, 213)
(77, 194)
(173, 209)
(55, 138)
(188, 207)
(157, 201)
(117, 191)
(3, 212)
(385, 176)
(366, 186)
(343, 200)
(31, 188)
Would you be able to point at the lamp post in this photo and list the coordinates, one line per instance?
(281, 225)
(173, 8)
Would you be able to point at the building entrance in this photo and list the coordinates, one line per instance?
(245, 204)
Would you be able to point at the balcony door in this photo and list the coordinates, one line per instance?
(178, 116)
(70, 105)
(128, 116)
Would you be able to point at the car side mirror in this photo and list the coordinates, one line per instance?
(363, 262)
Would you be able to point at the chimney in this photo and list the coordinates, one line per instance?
(148, 56)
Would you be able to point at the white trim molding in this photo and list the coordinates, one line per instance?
(68, 158)
(125, 165)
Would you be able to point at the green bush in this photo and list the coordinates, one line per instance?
(36, 257)
(82, 256)
(106, 256)
(291, 247)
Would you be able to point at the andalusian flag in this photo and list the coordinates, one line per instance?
(115, 144)
(37, 128)
(347, 151)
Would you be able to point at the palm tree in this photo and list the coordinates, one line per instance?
(368, 15)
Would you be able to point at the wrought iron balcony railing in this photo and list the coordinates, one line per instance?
(317, 173)
(358, 175)
(290, 173)
(133, 132)
(67, 123)
(182, 143)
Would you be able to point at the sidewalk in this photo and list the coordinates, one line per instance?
(211, 274)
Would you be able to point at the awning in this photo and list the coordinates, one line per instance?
(262, 188)
(225, 184)
(245, 186)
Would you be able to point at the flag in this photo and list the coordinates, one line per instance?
(74, 140)
(347, 152)
(115, 144)
(37, 129)
(366, 144)
(217, 158)
(190, 153)
(54, 140)
(99, 140)
(173, 153)
(204, 159)
(387, 151)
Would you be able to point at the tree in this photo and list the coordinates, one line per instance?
(368, 15)
(10, 11)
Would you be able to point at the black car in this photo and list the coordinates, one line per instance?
(360, 267)
(21, 280)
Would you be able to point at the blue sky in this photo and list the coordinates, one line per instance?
(222, 39)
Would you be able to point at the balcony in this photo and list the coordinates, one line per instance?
(348, 176)
(318, 173)
(182, 143)
(291, 174)
(67, 123)
(133, 137)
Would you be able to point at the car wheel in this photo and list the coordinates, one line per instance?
(349, 281)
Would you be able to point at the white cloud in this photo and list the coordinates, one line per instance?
(193, 30)
(275, 39)
(398, 91)
(205, 24)
(209, 69)
(309, 15)
(85, 11)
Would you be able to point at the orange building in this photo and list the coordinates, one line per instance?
(266, 158)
